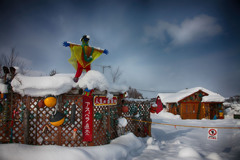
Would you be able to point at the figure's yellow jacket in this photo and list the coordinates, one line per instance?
(77, 55)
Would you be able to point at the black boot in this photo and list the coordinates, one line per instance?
(75, 79)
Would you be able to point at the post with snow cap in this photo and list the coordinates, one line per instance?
(122, 123)
(83, 55)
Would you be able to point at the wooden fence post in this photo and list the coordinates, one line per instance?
(60, 108)
(26, 114)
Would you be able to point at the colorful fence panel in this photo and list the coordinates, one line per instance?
(22, 120)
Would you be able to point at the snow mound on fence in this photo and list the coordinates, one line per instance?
(122, 122)
(120, 148)
(57, 84)
(43, 85)
(93, 79)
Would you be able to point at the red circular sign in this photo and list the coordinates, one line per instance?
(212, 132)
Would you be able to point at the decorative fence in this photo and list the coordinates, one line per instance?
(23, 121)
(138, 110)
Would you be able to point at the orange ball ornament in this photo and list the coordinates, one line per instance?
(50, 101)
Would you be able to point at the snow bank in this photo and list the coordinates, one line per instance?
(213, 156)
(233, 109)
(188, 153)
(228, 113)
(119, 148)
(164, 115)
(30, 152)
(129, 142)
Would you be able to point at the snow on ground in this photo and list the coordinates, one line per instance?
(170, 143)
(164, 115)
(120, 148)
(166, 143)
(233, 108)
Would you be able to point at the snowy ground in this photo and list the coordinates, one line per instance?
(166, 143)
(170, 143)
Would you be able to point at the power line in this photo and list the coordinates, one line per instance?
(146, 90)
(156, 91)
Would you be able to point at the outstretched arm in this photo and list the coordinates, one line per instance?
(105, 51)
(67, 44)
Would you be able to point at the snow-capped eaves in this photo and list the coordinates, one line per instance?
(178, 96)
(213, 98)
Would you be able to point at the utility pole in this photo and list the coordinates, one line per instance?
(103, 67)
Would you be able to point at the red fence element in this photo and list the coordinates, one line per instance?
(87, 118)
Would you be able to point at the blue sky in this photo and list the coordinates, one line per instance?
(158, 45)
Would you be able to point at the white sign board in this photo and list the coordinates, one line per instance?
(212, 133)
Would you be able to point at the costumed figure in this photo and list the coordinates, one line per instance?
(83, 55)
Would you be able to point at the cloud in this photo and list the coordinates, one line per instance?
(188, 31)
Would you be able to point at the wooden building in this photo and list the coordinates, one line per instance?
(194, 103)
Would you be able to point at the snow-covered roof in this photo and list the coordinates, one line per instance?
(58, 84)
(213, 98)
(176, 97)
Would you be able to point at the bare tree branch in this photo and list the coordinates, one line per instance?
(53, 72)
(133, 93)
(11, 60)
(116, 75)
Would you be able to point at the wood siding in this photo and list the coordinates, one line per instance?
(191, 107)
(189, 110)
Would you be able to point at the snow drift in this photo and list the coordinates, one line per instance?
(119, 148)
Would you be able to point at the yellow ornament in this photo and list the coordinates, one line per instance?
(57, 119)
(50, 101)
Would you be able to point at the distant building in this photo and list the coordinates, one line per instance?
(194, 103)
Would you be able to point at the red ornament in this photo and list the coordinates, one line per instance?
(153, 109)
(41, 103)
(159, 107)
(124, 109)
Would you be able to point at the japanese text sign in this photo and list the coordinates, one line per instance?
(87, 118)
(104, 101)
